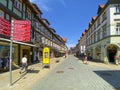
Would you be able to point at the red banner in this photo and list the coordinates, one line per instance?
(4, 27)
(21, 30)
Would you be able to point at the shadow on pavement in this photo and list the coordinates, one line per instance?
(32, 71)
(46, 66)
(21, 76)
(24, 73)
(111, 76)
(57, 61)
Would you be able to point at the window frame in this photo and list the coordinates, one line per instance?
(118, 29)
(28, 14)
(2, 14)
(18, 4)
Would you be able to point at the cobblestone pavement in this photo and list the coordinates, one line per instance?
(25, 80)
(72, 74)
(65, 74)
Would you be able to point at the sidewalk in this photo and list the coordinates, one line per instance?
(23, 81)
(102, 64)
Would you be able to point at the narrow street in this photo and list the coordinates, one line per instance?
(72, 74)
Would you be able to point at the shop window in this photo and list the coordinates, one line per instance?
(5, 57)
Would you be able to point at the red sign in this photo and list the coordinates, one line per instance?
(21, 30)
(4, 27)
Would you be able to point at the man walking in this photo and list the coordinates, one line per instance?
(24, 63)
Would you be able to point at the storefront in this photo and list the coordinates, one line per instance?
(25, 50)
(18, 51)
(5, 53)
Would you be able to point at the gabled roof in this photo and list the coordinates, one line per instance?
(86, 29)
(53, 30)
(83, 33)
(94, 18)
(64, 40)
(100, 8)
(37, 8)
(90, 23)
(31, 5)
(46, 21)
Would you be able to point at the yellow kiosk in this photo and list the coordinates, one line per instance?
(46, 56)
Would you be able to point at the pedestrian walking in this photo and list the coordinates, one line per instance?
(117, 59)
(65, 56)
(24, 63)
(85, 60)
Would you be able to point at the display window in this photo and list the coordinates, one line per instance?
(5, 56)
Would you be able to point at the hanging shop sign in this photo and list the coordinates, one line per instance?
(21, 30)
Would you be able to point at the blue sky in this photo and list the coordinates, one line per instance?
(69, 17)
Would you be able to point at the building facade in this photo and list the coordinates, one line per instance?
(82, 43)
(103, 34)
(41, 35)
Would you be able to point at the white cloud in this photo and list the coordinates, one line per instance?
(45, 4)
(42, 4)
(70, 45)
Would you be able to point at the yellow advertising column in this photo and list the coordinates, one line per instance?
(46, 56)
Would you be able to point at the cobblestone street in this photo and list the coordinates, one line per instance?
(59, 45)
(72, 74)
(25, 80)
(67, 74)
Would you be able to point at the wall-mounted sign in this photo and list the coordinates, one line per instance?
(4, 27)
(21, 30)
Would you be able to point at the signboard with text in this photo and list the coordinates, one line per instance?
(21, 30)
(46, 55)
(4, 27)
